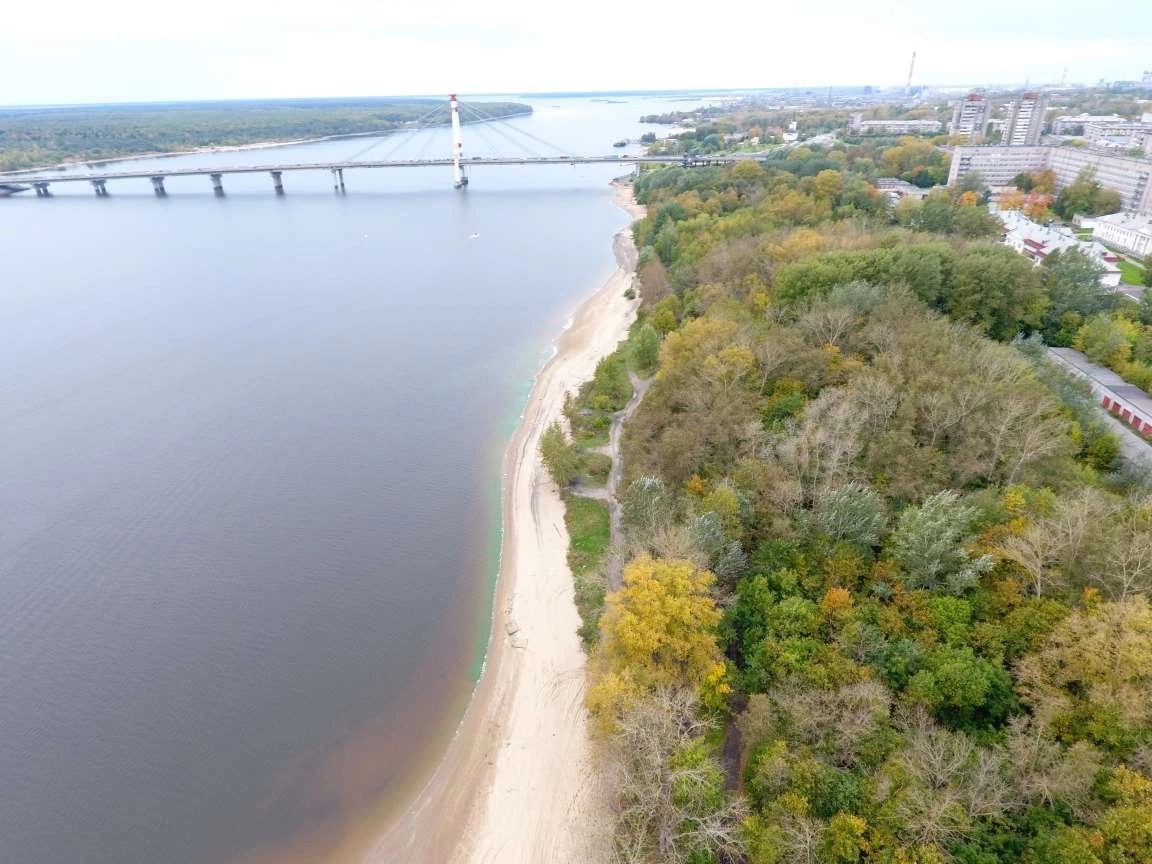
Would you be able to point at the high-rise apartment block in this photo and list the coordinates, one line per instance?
(970, 116)
(1025, 120)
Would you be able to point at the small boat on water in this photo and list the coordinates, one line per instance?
(620, 143)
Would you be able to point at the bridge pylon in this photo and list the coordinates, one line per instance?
(459, 178)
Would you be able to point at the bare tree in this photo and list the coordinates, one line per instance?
(826, 324)
(1128, 559)
(944, 781)
(668, 791)
(1041, 771)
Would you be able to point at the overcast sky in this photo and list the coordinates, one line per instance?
(143, 50)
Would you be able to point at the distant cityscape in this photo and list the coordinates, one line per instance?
(993, 138)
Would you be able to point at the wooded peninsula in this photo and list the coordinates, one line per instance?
(45, 136)
(880, 592)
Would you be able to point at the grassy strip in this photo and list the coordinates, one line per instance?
(588, 532)
(1130, 274)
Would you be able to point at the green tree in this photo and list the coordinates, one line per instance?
(931, 543)
(560, 457)
(645, 349)
(997, 290)
(854, 513)
(1106, 340)
(1073, 282)
(1086, 196)
(974, 221)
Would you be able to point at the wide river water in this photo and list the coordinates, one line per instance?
(249, 463)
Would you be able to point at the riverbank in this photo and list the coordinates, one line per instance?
(516, 783)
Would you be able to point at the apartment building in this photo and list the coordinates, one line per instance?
(970, 116)
(1128, 175)
(1025, 120)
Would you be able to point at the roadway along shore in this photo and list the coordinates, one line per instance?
(517, 782)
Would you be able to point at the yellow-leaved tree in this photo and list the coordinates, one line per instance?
(658, 632)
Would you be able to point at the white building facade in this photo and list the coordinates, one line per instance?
(1128, 231)
(1128, 175)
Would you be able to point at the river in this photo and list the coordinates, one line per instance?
(249, 456)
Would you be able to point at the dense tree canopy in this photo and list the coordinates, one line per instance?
(931, 585)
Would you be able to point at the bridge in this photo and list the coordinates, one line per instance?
(40, 181)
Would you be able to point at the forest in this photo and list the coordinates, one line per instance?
(881, 594)
(46, 136)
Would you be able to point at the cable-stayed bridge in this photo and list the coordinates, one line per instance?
(461, 165)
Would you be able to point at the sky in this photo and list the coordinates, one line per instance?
(77, 51)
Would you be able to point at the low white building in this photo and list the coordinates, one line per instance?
(897, 189)
(857, 125)
(1037, 242)
(1074, 124)
(1131, 232)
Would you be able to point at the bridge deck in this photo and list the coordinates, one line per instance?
(478, 161)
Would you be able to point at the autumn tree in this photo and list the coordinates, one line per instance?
(1092, 680)
(658, 631)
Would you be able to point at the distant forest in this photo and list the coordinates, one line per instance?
(34, 137)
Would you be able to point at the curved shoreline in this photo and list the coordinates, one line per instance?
(521, 747)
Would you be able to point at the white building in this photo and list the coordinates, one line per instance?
(859, 126)
(1131, 232)
(1025, 120)
(1128, 175)
(1069, 124)
(1037, 242)
(1121, 136)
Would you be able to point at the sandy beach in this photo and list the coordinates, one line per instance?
(516, 783)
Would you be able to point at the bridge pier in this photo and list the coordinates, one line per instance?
(277, 181)
(42, 190)
(158, 187)
(101, 189)
(338, 180)
(218, 185)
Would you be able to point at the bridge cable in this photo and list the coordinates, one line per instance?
(499, 121)
(517, 146)
(476, 129)
(403, 138)
(386, 133)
